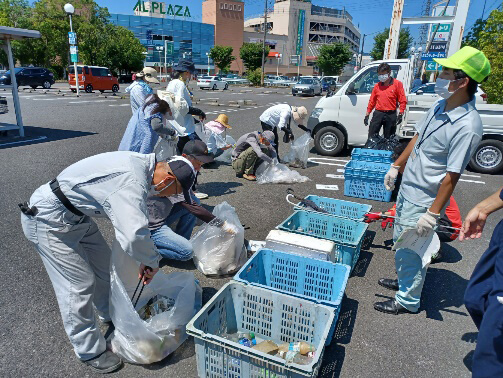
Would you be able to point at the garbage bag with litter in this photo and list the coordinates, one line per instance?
(226, 156)
(156, 327)
(299, 151)
(217, 252)
(276, 173)
(165, 148)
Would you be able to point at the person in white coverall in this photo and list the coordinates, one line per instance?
(58, 220)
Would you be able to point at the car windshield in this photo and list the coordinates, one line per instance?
(16, 70)
(305, 81)
(71, 70)
(207, 77)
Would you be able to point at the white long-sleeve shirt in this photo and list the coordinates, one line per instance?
(178, 88)
(115, 185)
(277, 116)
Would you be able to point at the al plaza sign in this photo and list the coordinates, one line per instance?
(157, 7)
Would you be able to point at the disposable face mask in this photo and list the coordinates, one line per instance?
(442, 87)
(383, 78)
(153, 189)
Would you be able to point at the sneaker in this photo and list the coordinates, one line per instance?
(436, 257)
(200, 195)
(250, 177)
(106, 362)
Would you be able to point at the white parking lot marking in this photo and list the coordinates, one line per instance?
(327, 187)
(472, 181)
(329, 175)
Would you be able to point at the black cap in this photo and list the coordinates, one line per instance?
(198, 150)
(185, 176)
(185, 65)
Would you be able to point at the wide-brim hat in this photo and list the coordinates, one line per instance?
(299, 114)
(149, 75)
(224, 120)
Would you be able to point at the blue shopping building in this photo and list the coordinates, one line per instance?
(181, 38)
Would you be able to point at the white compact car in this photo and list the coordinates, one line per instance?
(212, 82)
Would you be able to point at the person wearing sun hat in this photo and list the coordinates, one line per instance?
(141, 88)
(434, 160)
(214, 130)
(251, 149)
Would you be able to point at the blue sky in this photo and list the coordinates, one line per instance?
(371, 15)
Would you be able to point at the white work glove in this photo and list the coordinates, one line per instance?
(389, 179)
(229, 228)
(426, 223)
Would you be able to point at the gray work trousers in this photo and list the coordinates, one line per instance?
(77, 260)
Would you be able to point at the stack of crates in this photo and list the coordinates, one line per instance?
(285, 296)
(364, 174)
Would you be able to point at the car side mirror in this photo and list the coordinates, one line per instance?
(332, 87)
(351, 89)
(419, 92)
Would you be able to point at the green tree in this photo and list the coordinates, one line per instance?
(490, 42)
(222, 56)
(251, 54)
(332, 58)
(404, 44)
(473, 36)
(16, 14)
(255, 76)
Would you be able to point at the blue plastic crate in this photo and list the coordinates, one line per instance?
(364, 179)
(271, 316)
(346, 233)
(376, 156)
(341, 208)
(315, 280)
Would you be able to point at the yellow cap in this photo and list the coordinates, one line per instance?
(471, 61)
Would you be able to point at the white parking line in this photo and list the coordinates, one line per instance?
(329, 175)
(327, 187)
(473, 181)
(330, 159)
(313, 160)
(51, 99)
(123, 105)
(80, 102)
(464, 174)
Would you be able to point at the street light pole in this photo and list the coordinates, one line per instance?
(165, 58)
(263, 44)
(208, 55)
(69, 9)
(278, 56)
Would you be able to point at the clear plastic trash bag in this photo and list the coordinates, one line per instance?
(299, 151)
(165, 148)
(276, 173)
(226, 156)
(147, 341)
(217, 252)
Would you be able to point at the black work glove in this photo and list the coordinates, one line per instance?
(366, 120)
(399, 119)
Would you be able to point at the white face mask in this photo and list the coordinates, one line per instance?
(383, 78)
(153, 189)
(442, 87)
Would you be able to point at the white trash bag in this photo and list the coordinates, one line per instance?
(146, 341)
(299, 151)
(217, 252)
(226, 156)
(165, 148)
(276, 173)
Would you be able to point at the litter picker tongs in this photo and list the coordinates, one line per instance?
(397, 219)
(141, 290)
(304, 204)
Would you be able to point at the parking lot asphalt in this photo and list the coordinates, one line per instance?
(61, 130)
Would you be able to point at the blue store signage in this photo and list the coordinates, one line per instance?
(433, 55)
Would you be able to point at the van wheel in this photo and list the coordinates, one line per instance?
(115, 88)
(46, 84)
(89, 88)
(488, 157)
(226, 86)
(329, 141)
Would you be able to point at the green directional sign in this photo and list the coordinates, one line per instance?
(433, 66)
(442, 28)
(169, 48)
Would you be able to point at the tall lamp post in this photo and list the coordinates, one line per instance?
(69, 9)
(208, 55)
(278, 57)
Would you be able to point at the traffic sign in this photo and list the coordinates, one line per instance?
(433, 66)
(72, 38)
(170, 47)
(442, 28)
(431, 55)
(74, 51)
(438, 46)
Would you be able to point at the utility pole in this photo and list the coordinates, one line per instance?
(391, 47)
(263, 44)
(361, 52)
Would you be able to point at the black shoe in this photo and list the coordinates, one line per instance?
(436, 258)
(391, 306)
(239, 175)
(106, 362)
(389, 283)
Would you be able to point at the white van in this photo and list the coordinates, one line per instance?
(337, 119)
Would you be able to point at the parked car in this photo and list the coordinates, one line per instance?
(325, 82)
(29, 76)
(93, 78)
(337, 119)
(426, 93)
(212, 82)
(307, 86)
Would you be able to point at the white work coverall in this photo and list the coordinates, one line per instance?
(75, 254)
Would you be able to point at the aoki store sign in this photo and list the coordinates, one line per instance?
(231, 7)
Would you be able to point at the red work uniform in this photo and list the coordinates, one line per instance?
(385, 99)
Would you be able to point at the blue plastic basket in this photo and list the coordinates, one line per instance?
(364, 179)
(376, 156)
(340, 208)
(346, 233)
(271, 316)
(315, 280)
